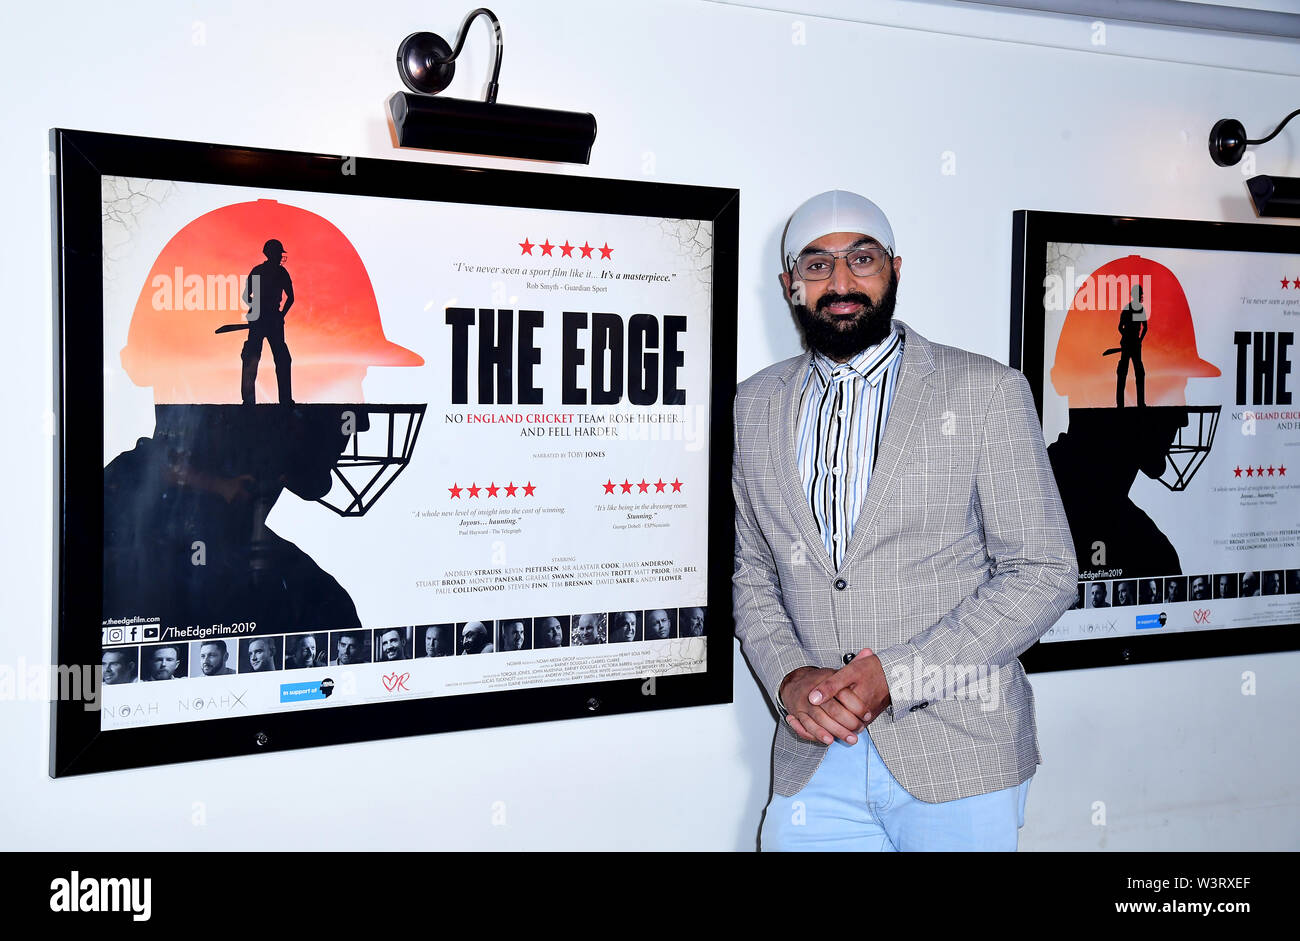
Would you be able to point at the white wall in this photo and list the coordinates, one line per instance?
(690, 92)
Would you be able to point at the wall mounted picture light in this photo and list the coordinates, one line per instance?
(427, 64)
(1271, 195)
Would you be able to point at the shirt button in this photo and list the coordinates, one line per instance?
(841, 584)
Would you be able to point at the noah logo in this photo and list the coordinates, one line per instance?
(102, 895)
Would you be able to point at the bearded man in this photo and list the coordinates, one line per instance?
(900, 540)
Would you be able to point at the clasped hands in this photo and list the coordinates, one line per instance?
(824, 704)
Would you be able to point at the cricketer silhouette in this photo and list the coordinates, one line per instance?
(1132, 331)
(268, 286)
(185, 534)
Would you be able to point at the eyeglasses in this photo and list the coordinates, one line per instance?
(863, 262)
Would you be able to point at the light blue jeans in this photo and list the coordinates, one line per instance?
(853, 803)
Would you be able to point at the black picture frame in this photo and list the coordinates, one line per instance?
(80, 160)
(1032, 231)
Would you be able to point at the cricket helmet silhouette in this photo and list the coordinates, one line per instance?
(1084, 367)
(333, 329)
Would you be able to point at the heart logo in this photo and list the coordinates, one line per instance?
(396, 681)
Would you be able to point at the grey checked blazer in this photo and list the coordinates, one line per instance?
(960, 560)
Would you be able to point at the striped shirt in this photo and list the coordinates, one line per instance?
(842, 413)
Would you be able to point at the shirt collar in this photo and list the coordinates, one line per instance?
(871, 364)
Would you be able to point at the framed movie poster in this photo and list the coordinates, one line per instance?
(1161, 354)
(353, 449)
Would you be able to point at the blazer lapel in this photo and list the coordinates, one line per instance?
(908, 409)
(782, 425)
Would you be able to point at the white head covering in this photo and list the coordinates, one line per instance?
(834, 211)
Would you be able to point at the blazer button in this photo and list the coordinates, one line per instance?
(841, 584)
(921, 705)
(848, 658)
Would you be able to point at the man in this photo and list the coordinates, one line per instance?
(588, 630)
(895, 512)
(693, 622)
(659, 625)
(550, 633)
(1150, 591)
(514, 635)
(474, 638)
(351, 648)
(261, 655)
(212, 658)
(268, 284)
(1132, 331)
(305, 653)
(1175, 589)
(1123, 594)
(119, 666)
(625, 628)
(1200, 588)
(1273, 583)
(392, 644)
(164, 663)
(1098, 597)
(1249, 584)
(1226, 586)
(437, 640)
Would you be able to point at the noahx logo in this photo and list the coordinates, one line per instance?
(76, 894)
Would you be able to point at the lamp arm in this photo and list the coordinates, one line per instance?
(1262, 140)
(460, 42)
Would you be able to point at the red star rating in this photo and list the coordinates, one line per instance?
(1279, 470)
(566, 250)
(1285, 282)
(492, 490)
(642, 486)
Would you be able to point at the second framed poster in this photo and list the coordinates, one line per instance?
(1160, 353)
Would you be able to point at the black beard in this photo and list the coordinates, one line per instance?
(872, 324)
